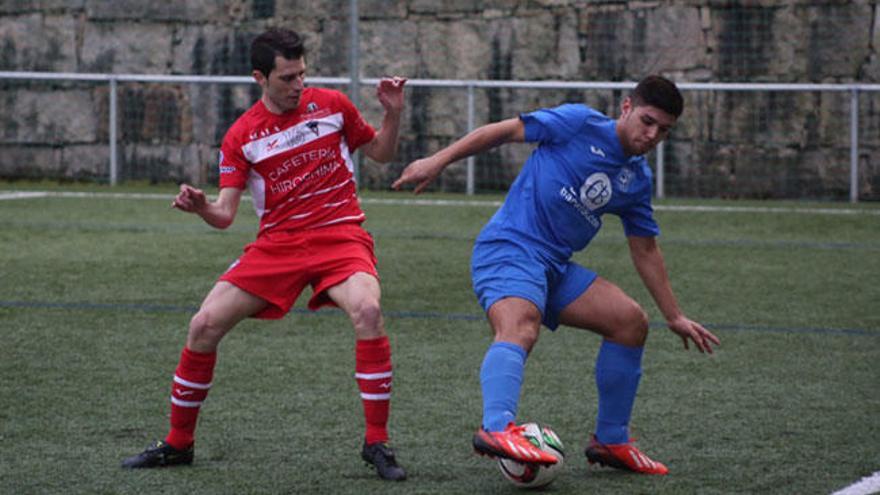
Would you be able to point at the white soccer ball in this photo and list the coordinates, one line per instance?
(534, 475)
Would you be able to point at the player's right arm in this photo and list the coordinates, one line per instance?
(219, 213)
(648, 260)
(422, 172)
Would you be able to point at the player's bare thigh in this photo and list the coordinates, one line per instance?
(223, 307)
(605, 309)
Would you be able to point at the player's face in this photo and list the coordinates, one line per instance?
(641, 128)
(283, 88)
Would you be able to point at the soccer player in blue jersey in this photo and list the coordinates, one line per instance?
(585, 165)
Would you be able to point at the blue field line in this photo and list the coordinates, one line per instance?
(421, 315)
(762, 329)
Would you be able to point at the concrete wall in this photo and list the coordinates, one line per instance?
(766, 144)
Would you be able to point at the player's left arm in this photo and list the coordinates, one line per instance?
(648, 260)
(383, 147)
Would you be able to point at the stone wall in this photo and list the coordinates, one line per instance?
(733, 144)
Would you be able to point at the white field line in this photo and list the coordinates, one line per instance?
(867, 486)
(74, 194)
(21, 195)
(7, 195)
(768, 209)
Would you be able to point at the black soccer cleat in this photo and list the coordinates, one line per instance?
(159, 455)
(382, 457)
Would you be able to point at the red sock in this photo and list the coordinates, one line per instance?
(373, 374)
(192, 380)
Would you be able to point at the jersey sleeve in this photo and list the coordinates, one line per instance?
(638, 220)
(233, 166)
(356, 130)
(554, 125)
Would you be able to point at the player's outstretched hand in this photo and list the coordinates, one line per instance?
(390, 93)
(189, 199)
(421, 172)
(688, 329)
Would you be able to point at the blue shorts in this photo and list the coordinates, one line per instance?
(507, 268)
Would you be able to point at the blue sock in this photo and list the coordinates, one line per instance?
(618, 370)
(501, 378)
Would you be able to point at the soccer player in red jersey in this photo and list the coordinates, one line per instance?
(292, 150)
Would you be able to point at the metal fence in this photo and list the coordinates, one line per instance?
(735, 140)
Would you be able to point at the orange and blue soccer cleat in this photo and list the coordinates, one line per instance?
(622, 456)
(510, 444)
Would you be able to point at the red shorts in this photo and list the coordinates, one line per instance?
(278, 265)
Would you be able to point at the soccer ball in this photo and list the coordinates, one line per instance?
(534, 475)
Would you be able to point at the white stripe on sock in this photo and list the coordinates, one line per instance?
(185, 403)
(375, 396)
(187, 383)
(372, 376)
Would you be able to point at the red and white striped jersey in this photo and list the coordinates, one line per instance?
(298, 165)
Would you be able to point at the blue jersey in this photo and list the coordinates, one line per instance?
(577, 173)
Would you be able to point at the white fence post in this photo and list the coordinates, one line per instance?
(661, 172)
(854, 146)
(114, 161)
(470, 126)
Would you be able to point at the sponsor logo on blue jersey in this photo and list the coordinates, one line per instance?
(596, 191)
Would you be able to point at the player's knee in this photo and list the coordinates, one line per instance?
(529, 337)
(204, 330)
(366, 316)
(523, 337)
(635, 325)
(523, 332)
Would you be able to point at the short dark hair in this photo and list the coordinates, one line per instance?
(273, 42)
(657, 91)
